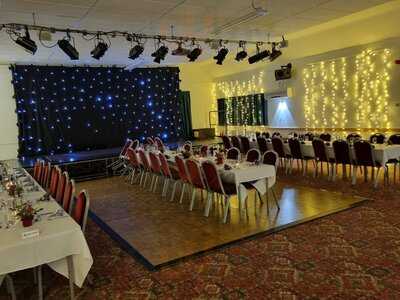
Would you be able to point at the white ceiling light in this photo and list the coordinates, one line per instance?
(256, 13)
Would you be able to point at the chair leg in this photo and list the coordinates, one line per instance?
(276, 200)
(315, 169)
(267, 200)
(165, 187)
(40, 282)
(10, 287)
(193, 199)
(208, 204)
(227, 206)
(376, 179)
(182, 192)
(354, 175)
(173, 191)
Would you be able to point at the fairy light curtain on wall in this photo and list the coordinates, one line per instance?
(249, 110)
(348, 92)
(67, 109)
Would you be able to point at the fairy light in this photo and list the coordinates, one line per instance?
(330, 93)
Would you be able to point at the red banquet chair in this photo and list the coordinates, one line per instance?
(54, 180)
(80, 209)
(170, 174)
(45, 178)
(36, 170)
(133, 164)
(61, 187)
(68, 196)
(155, 167)
(159, 143)
(253, 155)
(233, 153)
(180, 163)
(196, 179)
(215, 185)
(145, 165)
(122, 156)
(187, 146)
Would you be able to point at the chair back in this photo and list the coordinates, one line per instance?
(132, 157)
(212, 178)
(233, 153)
(128, 143)
(326, 137)
(68, 195)
(80, 209)
(54, 179)
(253, 155)
(309, 136)
(227, 142)
(135, 144)
(276, 134)
(277, 145)
(149, 141)
(295, 148)
(271, 158)
(165, 170)
(235, 142)
(187, 146)
(204, 150)
(155, 164)
(342, 152)
(363, 152)
(266, 135)
(262, 144)
(46, 176)
(143, 160)
(195, 174)
(377, 138)
(245, 144)
(159, 143)
(61, 187)
(180, 163)
(352, 137)
(36, 170)
(319, 150)
(394, 139)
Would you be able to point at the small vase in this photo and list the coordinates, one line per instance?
(27, 222)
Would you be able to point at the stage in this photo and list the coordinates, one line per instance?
(159, 232)
(86, 165)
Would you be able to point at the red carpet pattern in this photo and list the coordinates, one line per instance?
(353, 254)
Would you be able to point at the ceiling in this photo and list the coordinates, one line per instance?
(189, 17)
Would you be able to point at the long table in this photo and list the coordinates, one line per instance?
(382, 152)
(260, 176)
(61, 243)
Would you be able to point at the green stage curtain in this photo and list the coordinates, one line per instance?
(185, 112)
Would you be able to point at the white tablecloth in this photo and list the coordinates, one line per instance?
(58, 239)
(383, 153)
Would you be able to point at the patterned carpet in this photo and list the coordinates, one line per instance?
(354, 254)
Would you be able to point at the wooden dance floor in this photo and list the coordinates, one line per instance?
(159, 232)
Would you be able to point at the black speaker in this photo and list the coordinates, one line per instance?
(285, 72)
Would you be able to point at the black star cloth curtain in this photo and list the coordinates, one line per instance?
(68, 109)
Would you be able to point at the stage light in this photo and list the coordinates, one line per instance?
(99, 50)
(136, 51)
(67, 48)
(274, 53)
(160, 54)
(240, 55)
(194, 54)
(26, 43)
(221, 55)
(259, 56)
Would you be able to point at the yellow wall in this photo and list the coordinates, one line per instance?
(374, 28)
(196, 80)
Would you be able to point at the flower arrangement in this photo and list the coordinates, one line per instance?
(26, 212)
